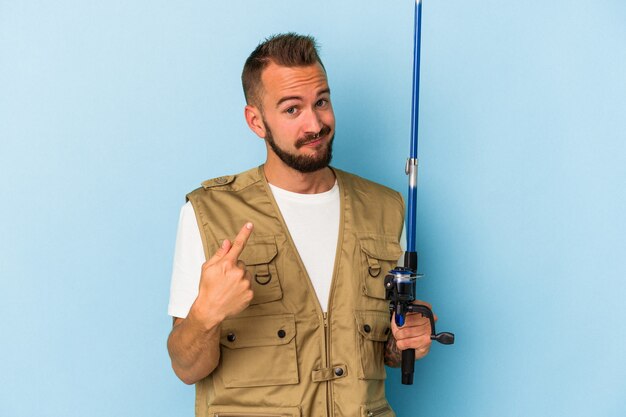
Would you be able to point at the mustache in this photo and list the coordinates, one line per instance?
(325, 130)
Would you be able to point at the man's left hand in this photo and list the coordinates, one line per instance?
(415, 334)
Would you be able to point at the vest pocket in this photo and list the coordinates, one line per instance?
(380, 254)
(239, 411)
(373, 329)
(377, 409)
(259, 256)
(258, 351)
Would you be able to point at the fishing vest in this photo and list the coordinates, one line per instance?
(283, 356)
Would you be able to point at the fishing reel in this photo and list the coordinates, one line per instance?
(400, 291)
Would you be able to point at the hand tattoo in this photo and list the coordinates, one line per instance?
(393, 355)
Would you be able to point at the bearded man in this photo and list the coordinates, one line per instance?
(277, 292)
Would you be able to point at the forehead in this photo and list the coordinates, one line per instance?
(279, 81)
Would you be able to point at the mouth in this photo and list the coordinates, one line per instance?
(314, 141)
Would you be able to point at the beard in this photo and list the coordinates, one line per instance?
(303, 163)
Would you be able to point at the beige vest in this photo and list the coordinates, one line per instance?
(282, 356)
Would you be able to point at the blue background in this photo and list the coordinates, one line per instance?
(111, 111)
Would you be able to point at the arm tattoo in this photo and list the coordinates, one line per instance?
(393, 355)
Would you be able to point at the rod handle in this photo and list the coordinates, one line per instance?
(408, 366)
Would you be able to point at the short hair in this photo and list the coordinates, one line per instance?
(286, 49)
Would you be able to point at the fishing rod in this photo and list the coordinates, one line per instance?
(400, 283)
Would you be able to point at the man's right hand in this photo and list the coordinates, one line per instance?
(224, 291)
(225, 288)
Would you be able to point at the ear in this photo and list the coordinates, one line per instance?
(255, 120)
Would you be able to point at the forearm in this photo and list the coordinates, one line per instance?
(194, 349)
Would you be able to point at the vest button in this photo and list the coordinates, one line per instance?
(367, 328)
(282, 333)
(221, 180)
(230, 337)
(338, 371)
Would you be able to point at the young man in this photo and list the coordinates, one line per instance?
(288, 315)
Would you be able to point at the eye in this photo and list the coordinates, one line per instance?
(321, 102)
(291, 110)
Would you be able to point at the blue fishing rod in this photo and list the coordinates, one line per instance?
(400, 283)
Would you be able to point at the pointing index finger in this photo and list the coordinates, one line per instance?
(240, 241)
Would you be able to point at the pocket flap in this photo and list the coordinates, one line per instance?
(373, 325)
(379, 408)
(261, 250)
(381, 247)
(243, 332)
(247, 411)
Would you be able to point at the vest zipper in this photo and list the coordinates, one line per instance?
(327, 345)
(342, 224)
(378, 411)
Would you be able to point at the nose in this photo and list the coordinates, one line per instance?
(313, 124)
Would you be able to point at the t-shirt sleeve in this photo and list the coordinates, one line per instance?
(188, 260)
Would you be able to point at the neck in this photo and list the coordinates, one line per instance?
(287, 178)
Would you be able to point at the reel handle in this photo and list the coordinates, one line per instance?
(445, 338)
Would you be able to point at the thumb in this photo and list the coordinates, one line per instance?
(394, 326)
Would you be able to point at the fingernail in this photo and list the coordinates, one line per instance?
(249, 226)
(224, 243)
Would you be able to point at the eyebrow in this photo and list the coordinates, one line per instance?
(283, 99)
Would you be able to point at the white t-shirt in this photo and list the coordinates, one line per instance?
(313, 223)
